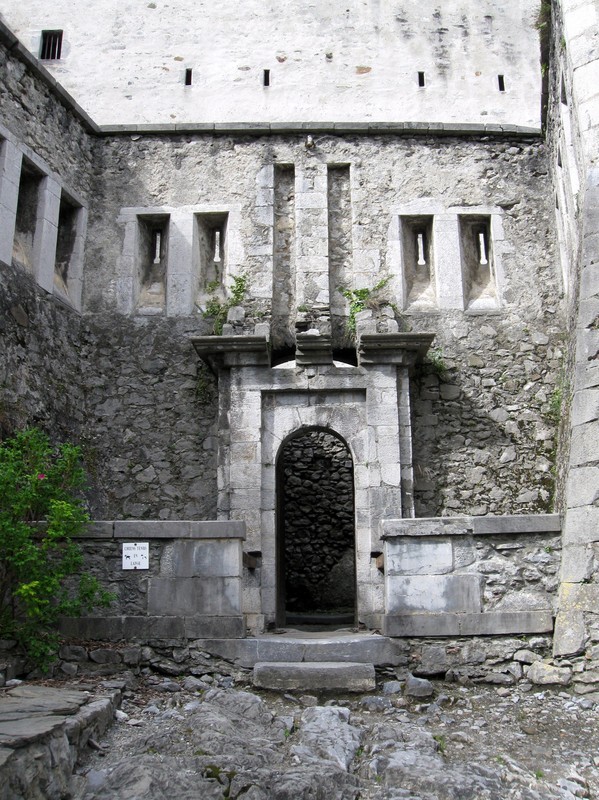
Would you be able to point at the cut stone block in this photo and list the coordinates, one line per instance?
(202, 558)
(221, 627)
(418, 557)
(433, 593)
(212, 597)
(489, 623)
(281, 675)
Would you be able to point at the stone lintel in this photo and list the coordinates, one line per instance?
(230, 351)
(393, 348)
(491, 623)
(519, 524)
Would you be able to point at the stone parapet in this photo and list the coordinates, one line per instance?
(190, 589)
(457, 576)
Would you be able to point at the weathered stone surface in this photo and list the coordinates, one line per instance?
(491, 622)
(433, 593)
(326, 734)
(417, 687)
(41, 731)
(315, 675)
(526, 656)
(547, 674)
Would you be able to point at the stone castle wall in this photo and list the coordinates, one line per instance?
(574, 133)
(359, 62)
(301, 217)
(484, 416)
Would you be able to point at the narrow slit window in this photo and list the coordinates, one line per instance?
(501, 83)
(563, 95)
(210, 254)
(478, 269)
(152, 260)
(266, 77)
(417, 262)
(157, 246)
(188, 77)
(421, 79)
(483, 247)
(51, 47)
(420, 245)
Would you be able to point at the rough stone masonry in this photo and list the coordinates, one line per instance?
(326, 254)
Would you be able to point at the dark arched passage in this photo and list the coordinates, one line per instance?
(315, 530)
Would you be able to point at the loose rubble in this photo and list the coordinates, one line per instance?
(187, 738)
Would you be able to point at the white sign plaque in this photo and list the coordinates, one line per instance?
(136, 555)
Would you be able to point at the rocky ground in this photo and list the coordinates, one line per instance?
(214, 736)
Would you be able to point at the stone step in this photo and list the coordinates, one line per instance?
(364, 648)
(315, 675)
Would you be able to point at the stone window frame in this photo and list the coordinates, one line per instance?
(182, 263)
(52, 188)
(447, 269)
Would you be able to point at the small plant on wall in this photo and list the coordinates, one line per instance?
(218, 311)
(41, 513)
(361, 299)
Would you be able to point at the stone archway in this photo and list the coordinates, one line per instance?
(316, 530)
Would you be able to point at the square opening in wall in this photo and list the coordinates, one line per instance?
(152, 260)
(27, 212)
(210, 250)
(478, 270)
(417, 260)
(51, 45)
(66, 244)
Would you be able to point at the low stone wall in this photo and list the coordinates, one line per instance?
(191, 587)
(451, 576)
(498, 660)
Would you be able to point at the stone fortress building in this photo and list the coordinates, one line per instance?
(314, 285)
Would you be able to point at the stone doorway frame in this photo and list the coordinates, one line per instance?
(281, 562)
(260, 406)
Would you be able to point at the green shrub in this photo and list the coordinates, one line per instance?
(41, 512)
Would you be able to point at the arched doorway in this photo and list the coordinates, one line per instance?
(316, 571)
